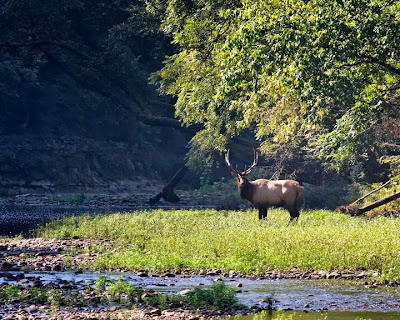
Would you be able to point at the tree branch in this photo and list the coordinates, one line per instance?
(387, 66)
(367, 59)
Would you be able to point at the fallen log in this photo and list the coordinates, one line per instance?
(168, 191)
(354, 211)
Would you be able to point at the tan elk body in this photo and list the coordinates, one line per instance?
(264, 193)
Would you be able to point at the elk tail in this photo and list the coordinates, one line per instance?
(299, 191)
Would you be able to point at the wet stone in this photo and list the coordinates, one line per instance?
(153, 312)
(185, 292)
(6, 266)
(37, 284)
(169, 275)
(56, 267)
(142, 274)
(333, 275)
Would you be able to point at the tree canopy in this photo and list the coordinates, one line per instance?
(323, 75)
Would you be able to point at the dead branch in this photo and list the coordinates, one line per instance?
(368, 194)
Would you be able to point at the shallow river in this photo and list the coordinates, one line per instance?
(341, 299)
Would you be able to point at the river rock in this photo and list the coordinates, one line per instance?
(153, 312)
(20, 276)
(185, 292)
(142, 274)
(322, 274)
(333, 275)
(232, 274)
(37, 284)
(6, 266)
(169, 275)
(56, 267)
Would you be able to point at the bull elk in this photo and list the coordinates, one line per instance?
(264, 193)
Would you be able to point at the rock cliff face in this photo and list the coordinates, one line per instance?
(37, 163)
(73, 93)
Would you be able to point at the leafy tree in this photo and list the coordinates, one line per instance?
(321, 75)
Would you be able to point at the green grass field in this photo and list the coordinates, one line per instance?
(234, 240)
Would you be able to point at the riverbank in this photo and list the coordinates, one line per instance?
(183, 244)
(80, 254)
(321, 244)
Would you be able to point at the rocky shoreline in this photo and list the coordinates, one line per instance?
(20, 256)
(78, 254)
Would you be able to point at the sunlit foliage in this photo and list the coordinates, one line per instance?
(326, 73)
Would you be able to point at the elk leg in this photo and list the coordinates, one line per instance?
(262, 213)
(294, 213)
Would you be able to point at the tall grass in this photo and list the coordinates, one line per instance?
(236, 240)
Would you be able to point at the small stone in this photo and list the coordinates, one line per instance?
(142, 274)
(56, 267)
(333, 275)
(185, 292)
(161, 285)
(255, 308)
(153, 312)
(232, 274)
(7, 266)
(169, 275)
(20, 276)
(37, 284)
(239, 285)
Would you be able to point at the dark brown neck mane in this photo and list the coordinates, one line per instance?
(246, 190)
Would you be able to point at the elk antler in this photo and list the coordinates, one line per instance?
(248, 171)
(229, 164)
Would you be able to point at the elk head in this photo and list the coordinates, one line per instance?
(241, 175)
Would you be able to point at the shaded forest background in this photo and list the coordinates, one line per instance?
(78, 112)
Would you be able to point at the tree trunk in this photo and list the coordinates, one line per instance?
(378, 203)
(168, 191)
(354, 211)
